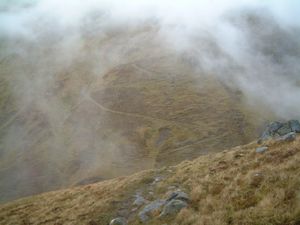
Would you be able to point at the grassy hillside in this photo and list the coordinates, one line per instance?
(236, 186)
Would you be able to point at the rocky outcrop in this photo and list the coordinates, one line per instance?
(280, 129)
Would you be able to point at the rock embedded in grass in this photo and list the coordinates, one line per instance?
(118, 221)
(261, 149)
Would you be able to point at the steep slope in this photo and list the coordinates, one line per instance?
(237, 186)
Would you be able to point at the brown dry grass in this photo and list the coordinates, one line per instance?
(237, 186)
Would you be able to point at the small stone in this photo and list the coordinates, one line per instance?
(261, 149)
(288, 137)
(295, 126)
(173, 207)
(118, 221)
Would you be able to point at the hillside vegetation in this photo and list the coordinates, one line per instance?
(236, 186)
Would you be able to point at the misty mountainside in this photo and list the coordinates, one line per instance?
(145, 113)
(98, 96)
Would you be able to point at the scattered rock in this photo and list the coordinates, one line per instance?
(288, 137)
(261, 149)
(178, 195)
(173, 207)
(118, 221)
(148, 211)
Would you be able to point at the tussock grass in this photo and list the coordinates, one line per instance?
(237, 186)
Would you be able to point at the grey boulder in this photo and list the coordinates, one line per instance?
(173, 207)
(149, 209)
